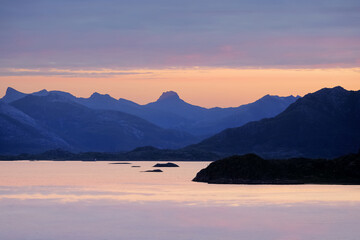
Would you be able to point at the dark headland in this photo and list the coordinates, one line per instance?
(252, 169)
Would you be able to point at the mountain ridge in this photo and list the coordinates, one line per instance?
(171, 112)
(321, 124)
(310, 127)
(97, 130)
(21, 133)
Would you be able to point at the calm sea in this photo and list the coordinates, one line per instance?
(43, 200)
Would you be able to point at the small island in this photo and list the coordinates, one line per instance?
(252, 169)
(169, 164)
(154, 170)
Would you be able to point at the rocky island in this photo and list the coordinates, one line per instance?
(252, 169)
(169, 164)
(155, 170)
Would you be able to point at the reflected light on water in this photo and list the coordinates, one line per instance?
(98, 200)
(85, 181)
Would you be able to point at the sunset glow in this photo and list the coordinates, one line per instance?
(173, 120)
(208, 87)
(212, 54)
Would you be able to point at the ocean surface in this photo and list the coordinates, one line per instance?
(44, 200)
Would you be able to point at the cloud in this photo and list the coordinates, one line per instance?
(159, 33)
(68, 72)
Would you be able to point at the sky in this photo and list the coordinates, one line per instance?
(213, 53)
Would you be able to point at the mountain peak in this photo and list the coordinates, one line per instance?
(43, 92)
(10, 90)
(268, 96)
(169, 95)
(337, 89)
(12, 95)
(97, 95)
(335, 92)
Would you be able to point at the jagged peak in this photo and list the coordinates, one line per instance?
(12, 95)
(334, 89)
(43, 92)
(169, 95)
(292, 97)
(10, 90)
(268, 96)
(96, 95)
(338, 90)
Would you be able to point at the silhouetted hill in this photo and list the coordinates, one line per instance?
(265, 107)
(97, 130)
(252, 169)
(321, 124)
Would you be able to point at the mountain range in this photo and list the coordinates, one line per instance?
(322, 124)
(171, 112)
(21, 133)
(102, 123)
(87, 129)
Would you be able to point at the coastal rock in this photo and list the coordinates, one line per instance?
(169, 164)
(155, 170)
(252, 169)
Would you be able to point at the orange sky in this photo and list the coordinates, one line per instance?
(208, 87)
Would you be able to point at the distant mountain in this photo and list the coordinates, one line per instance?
(265, 107)
(172, 103)
(12, 95)
(19, 133)
(321, 124)
(88, 129)
(161, 118)
(105, 101)
(171, 112)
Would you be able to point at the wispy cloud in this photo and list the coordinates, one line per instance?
(159, 34)
(68, 72)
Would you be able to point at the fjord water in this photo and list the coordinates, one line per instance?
(97, 200)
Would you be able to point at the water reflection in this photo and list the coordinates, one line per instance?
(78, 181)
(97, 200)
